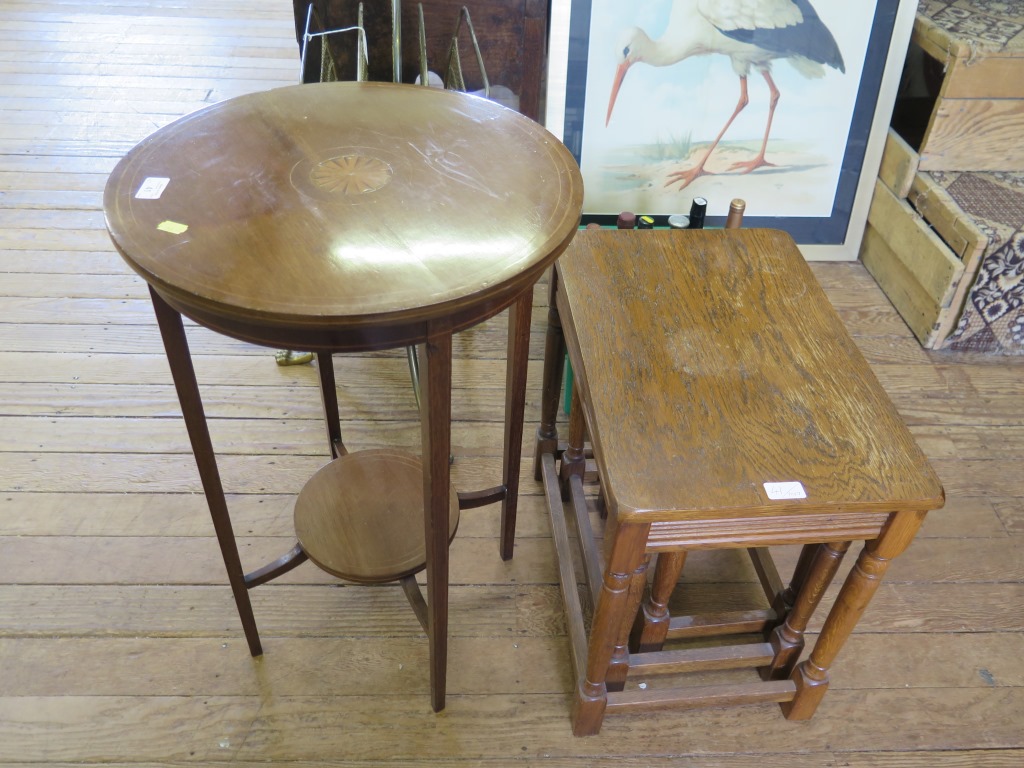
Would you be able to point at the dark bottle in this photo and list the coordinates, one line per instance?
(698, 209)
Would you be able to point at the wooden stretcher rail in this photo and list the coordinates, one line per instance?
(703, 696)
(566, 573)
(699, 659)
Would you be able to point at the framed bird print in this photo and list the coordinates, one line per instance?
(784, 103)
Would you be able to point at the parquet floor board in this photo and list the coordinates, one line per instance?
(119, 642)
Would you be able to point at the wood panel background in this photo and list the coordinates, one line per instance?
(119, 642)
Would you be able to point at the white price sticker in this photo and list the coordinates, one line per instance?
(152, 188)
(791, 490)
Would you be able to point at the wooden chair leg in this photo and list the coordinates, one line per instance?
(787, 640)
(574, 461)
(811, 676)
(651, 626)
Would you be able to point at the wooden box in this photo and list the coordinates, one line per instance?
(977, 122)
(920, 246)
(947, 247)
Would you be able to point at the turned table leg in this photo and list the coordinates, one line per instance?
(787, 639)
(574, 460)
(785, 599)
(176, 345)
(610, 615)
(811, 676)
(618, 667)
(651, 627)
(554, 361)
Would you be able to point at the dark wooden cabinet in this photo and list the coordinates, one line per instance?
(512, 36)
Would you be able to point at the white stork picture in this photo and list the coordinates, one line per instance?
(753, 34)
(721, 98)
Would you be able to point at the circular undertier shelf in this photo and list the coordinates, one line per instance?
(361, 516)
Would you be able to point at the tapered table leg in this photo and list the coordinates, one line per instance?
(176, 346)
(435, 421)
(329, 398)
(516, 367)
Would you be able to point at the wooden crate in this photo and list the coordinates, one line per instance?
(920, 246)
(977, 122)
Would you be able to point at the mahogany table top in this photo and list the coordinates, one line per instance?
(344, 204)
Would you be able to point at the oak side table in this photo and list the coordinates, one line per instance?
(727, 407)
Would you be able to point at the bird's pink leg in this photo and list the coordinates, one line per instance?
(747, 166)
(685, 177)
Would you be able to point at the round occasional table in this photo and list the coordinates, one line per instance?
(344, 217)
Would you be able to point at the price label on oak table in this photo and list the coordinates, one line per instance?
(791, 490)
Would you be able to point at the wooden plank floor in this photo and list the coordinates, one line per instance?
(119, 642)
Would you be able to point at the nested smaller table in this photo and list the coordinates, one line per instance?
(727, 408)
(346, 217)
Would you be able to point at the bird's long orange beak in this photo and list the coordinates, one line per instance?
(620, 75)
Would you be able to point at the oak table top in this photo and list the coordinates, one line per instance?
(733, 371)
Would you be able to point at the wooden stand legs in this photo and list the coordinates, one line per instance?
(176, 345)
(435, 420)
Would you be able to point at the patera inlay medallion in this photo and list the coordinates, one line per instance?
(351, 174)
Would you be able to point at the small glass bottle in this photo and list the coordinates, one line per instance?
(735, 218)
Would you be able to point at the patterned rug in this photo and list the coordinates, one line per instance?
(991, 24)
(993, 315)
